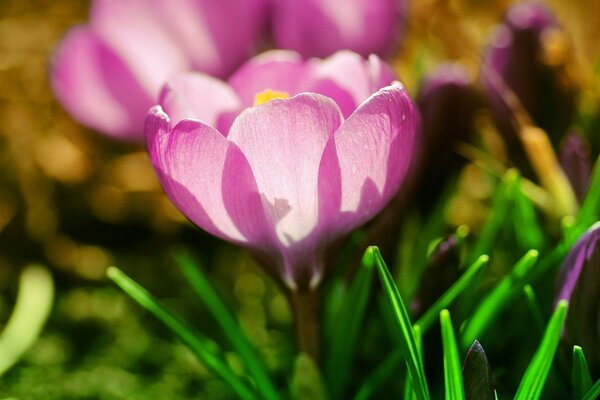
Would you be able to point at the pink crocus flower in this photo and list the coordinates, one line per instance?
(318, 28)
(288, 177)
(108, 73)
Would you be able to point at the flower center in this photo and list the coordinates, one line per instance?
(268, 95)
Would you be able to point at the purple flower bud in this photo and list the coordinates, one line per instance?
(447, 104)
(575, 161)
(579, 283)
(517, 61)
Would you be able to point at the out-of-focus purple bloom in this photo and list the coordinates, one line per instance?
(289, 177)
(447, 103)
(575, 161)
(515, 61)
(579, 283)
(318, 28)
(108, 73)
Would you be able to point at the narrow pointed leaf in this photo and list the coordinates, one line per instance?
(534, 307)
(580, 375)
(206, 350)
(404, 328)
(535, 376)
(527, 230)
(453, 381)
(500, 297)
(409, 390)
(594, 392)
(345, 336)
(477, 375)
(227, 322)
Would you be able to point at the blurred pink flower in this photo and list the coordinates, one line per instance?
(318, 28)
(288, 177)
(108, 73)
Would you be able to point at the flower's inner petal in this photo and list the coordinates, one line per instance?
(283, 141)
(199, 96)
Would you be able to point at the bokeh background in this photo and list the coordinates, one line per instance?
(76, 202)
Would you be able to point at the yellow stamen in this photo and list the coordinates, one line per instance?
(268, 95)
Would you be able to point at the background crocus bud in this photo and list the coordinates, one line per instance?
(523, 60)
(108, 73)
(318, 28)
(447, 103)
(579, 283)
(575, 161)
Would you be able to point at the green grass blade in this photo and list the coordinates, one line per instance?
(453, 381)
(206, 350)
(580, 375)
(534, 307)
(345, 336)
(430, 316)
(527, 230)
(588, 213)
(499, 298)
(409, 390)
(534, 379)
(594, 392)
(393, 361)
(227, 322)
(404, 328)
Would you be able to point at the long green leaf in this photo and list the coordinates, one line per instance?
(227, 322)
(409, 390)
(508, 288)
(535, 376)
(404, 328)
(527, 230)
(452, 293)
(453, 381)
(534, 307)
(206, 350)
(345, 336)
(580, 375)
(594, 392)
(394, 359)
(588, 213)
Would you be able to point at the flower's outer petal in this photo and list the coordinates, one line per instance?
(318, 28)
(374, 148)
(96, 86)
(202, 97)
(207, 178)
(276, 70)
(284, 141)
(136, 32)
(349, 79)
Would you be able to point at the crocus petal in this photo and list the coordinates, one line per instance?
(97, 87)
(197, 166)
(349, 79)
(374, 148)
(277, 70)
(283, 141)
(202, 97)
(318, 28)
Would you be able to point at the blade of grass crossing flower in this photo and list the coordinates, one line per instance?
(535, 376)
(594, 392)
(534, 307)
(206, 350)
(580, 375)
(345, 336)
(409, 390)
(508, 288)
(393, 361)
(227, 322)
(453, 381)
(429, 317)
(588, 213)
(404, 328)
